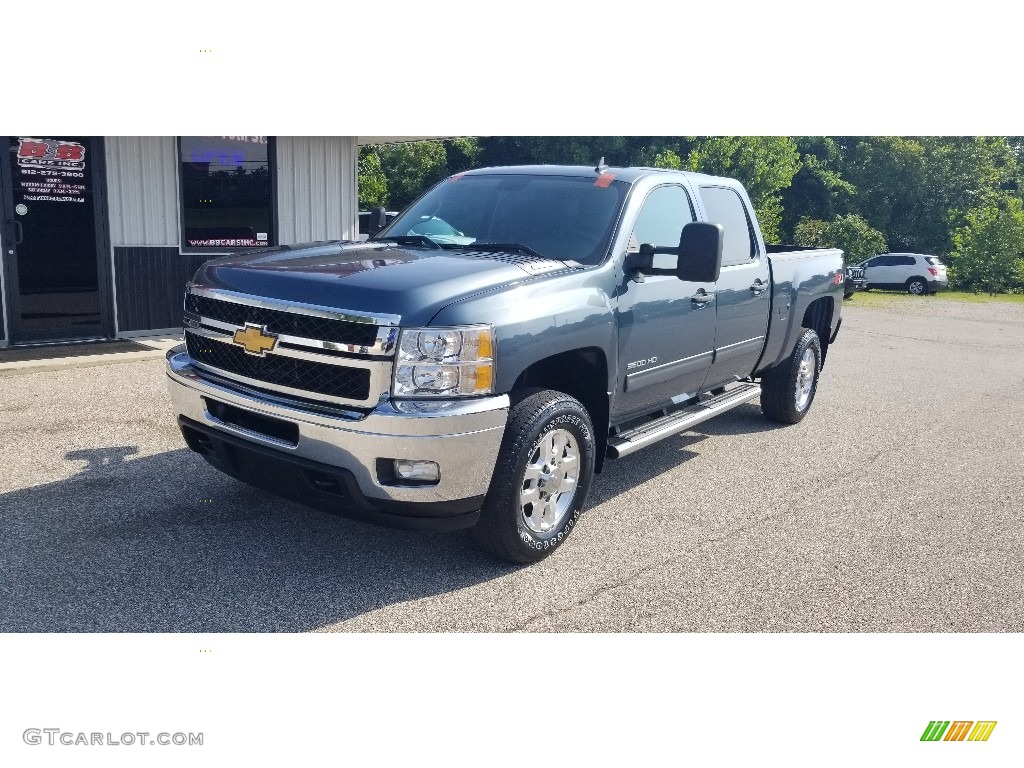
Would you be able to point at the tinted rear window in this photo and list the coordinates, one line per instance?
(933, 261)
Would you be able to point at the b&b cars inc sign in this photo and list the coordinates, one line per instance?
(51, 170)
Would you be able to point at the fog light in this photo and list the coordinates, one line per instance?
(423, 471)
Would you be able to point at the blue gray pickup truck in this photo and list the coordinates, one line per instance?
(476, 362)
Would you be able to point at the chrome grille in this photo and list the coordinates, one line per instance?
(279, 322)
(336, 381)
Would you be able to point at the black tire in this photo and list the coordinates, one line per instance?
(780, 399)
(917, 286)
(510, 525)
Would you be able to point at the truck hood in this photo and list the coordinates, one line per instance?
(414, 282)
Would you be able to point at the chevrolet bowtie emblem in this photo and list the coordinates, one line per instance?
(255, 339)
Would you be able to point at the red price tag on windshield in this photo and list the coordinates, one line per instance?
(604, 180)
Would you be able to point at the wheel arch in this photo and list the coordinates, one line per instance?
(580, 373)
(818, 317)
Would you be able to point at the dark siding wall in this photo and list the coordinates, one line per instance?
(151, 286)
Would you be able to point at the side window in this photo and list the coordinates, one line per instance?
(725, 207)
(883, 261)
(666, 211)
(906, 261)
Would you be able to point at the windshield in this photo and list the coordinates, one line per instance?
(560, 217)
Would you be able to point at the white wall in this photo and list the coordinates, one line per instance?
(142, 178)
(316, 188)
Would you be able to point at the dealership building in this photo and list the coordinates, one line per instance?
(100, 235)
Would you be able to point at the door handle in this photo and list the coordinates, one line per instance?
(701, 298)
(21, 233)
(758, 287)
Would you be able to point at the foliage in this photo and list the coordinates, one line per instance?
(810, 232)
(818, 190)
(462, 154)
(988, 251)
(666, 158)
(764, 164)
(373, 184)
(411, 168)
(857, 239)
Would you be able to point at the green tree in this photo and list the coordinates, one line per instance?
(962, 173)
(917, 190)
(666, 158)
(810, 232)
(372, 183)
(410, 168)
(764, 164)
(889, 175)
(818, 190)
(851, 233)
(556, 150)
(988, 251)
(462, 154)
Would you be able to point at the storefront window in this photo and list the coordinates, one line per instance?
(227, 198)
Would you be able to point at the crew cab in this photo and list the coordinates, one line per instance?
(476, 362)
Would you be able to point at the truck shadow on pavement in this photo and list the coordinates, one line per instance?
(165, 543)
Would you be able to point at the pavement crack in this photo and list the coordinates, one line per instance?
(637, 575)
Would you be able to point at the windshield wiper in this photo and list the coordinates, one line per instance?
(514, 247)
(407, 240)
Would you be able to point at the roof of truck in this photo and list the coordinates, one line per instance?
(620, 174)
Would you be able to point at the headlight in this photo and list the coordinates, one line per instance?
(445, 362)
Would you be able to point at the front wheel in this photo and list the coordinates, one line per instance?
(788, 389)
(540, 483)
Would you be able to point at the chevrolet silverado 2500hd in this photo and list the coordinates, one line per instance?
(476, 361)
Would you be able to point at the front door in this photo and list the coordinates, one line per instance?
(666, 325)
(53, 244)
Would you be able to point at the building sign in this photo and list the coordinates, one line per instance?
(227, 195)
(51, 170)
(226, 242)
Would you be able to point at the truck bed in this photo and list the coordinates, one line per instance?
(801, 276)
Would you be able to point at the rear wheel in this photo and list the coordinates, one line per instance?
(540, 483)
(788, 389)
(917, 286)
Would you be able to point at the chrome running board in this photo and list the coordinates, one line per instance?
(634, 439)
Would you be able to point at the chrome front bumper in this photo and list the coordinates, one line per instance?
(462, 437)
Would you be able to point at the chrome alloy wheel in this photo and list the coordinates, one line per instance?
(805, 379)
(550, 481)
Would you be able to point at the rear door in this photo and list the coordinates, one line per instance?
(666, 325)
(743, 287)
(906, 267)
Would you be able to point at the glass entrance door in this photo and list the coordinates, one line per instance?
(51, 249)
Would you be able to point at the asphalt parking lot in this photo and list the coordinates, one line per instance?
(896, 505)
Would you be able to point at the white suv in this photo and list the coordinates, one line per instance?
(912, 272)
